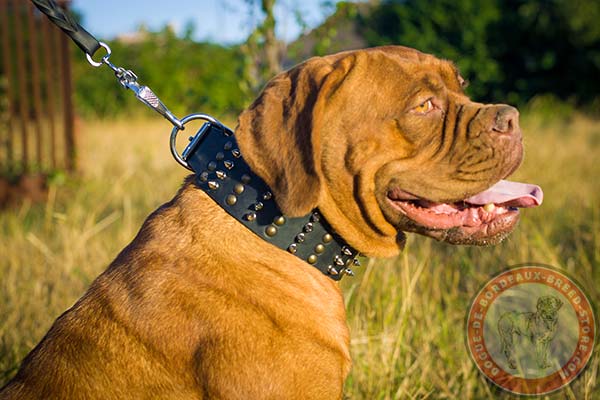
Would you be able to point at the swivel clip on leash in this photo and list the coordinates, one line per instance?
(127, 78)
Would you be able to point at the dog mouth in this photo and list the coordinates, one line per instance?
(484, 214)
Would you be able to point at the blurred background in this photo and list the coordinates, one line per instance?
(82, 162)
(217, 55)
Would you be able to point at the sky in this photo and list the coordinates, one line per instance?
(223, 21)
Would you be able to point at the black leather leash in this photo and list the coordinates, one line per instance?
(221, 171)
(82, 38)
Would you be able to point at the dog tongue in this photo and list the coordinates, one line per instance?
(509, 194)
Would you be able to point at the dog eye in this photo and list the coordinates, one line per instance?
(424, 107)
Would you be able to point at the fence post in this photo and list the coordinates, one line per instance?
(22, 82)
(49, 68)
(35, 83)
(67, 90)
(7, 66)
(37, 125)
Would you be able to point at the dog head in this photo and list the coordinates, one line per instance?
(385, 141)
(548, 306)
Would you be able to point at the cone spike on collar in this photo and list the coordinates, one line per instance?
(247, 198)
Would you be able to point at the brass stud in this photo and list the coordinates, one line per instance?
(238, 188)
(231, 199)
(251, 216)
(279, 220)
(300, 238)
(220, 156)
(214, 185)
(228, 146)
(204, 176)
(319, 248)
(221, 175)
(312, 259)
(348, 271)
(246, 179)
(236, 153)
(293, 248)
(212, 166)
(356, 262)
(228, 164)
(327, 238)
(338, 261)
(314, 217)
(331, 270)
(258, 206)
(267, 196)
(271, 230)
(308, 227)
(346, 250)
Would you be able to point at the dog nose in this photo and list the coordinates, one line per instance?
(506, 121)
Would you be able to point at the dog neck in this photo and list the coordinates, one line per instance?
(223, 174)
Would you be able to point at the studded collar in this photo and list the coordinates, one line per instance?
(223, 174)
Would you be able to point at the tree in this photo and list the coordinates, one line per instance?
(510, 50)
(453, 29)
(548, 46)
(261, 51)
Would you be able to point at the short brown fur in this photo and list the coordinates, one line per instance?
(199, 307)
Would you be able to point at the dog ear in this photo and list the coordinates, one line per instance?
(279, 136)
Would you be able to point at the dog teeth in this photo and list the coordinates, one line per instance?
(489, 207)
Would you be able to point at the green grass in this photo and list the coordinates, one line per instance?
(406, 315)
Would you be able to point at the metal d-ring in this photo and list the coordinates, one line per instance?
(202, 132)
(104, 59)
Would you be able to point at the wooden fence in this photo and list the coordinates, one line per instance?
(37, 132)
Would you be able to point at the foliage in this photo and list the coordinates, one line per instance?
(456, 30)
(260, 51)
(548, 46)
(187, 76)
(510, 50)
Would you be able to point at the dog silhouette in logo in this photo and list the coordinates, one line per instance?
(540, 327)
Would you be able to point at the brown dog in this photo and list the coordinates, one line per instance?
(381, 141)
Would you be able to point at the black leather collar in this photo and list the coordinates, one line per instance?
(223, 174)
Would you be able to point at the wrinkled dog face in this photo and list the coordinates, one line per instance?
(433, 151)
(384, 141)
(459, 148)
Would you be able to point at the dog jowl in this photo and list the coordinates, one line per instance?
(381, 142)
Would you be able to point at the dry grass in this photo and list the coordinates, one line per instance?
(406, 315)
